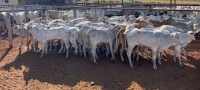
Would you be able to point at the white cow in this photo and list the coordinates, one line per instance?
(102, 35)
(19, 17)
(33, 15)
(187, 37)
(44, 35)
(155, 41)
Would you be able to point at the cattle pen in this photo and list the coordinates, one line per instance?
(24, 69)
(145, 8)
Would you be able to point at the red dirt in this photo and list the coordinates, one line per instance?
(26, 70)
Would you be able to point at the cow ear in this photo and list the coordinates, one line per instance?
(175, 35)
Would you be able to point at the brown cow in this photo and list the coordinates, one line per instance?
(122, 37)
(157, 23)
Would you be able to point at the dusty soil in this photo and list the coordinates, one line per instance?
(26, 70)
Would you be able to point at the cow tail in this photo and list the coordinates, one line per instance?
(125, 45)
(117, 35)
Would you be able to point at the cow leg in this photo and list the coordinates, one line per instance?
(141, 50)
(146, 53)
(67, 49)
(62, 46)
(34, 43)
(21, 41)
(121, 53)
(76, 49)
(133, 52)
(154, 59)
(50, 44)
(55, 45)
(111, 50)
(137, 53)
(158, 54)
(84, 50)
(79, 48)
(46, 48)
(183, 49)
(93, 51)
(129, 51)
(73, 42)
(27, 42)
(43, 48)
(174, 55)
(98, 48)
(179, 56)
(107, 50)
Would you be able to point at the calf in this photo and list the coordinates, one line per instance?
(122, 37)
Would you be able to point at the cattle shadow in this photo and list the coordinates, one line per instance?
(56, 69)
(6, 52)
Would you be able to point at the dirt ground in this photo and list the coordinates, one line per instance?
(26, 70)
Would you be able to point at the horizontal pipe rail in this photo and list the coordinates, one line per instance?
(83, 7)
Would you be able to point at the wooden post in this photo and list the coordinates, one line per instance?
(56, 14)
(170, 5)
(174, 5)
(74, 13)
(25, 14)
(103, 12)
(47, 14)
(95, 15)
(8, 26)
(41, 12)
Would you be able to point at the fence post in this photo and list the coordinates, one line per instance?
(95, 15)
(25, 14)
(47, 14)
(8, 26)
(74, 12)
(42, 13)
(103, 12)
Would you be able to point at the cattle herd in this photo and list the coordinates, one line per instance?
(135, 35)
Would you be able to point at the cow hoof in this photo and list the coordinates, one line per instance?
(181, 66)
(131, 67)
(155, 68)
(159, 63)
(174, 60)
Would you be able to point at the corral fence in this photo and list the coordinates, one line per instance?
(41, 8)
